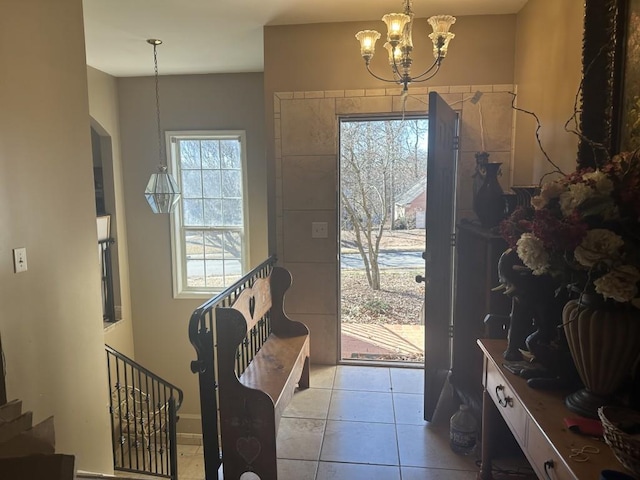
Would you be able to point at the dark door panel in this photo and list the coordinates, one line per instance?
(441, 182)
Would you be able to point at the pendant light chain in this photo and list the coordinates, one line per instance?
(155, 63)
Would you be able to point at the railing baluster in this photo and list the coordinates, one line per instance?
(133, 423)
(149, 405)
(156, 451)
(173, 437)
(163, 434)
(111, 409)
(167, 432)
(126, 415)
(108, 303)
(140, 421)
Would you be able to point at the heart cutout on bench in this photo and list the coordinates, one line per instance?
(249, 448)
(252, 305)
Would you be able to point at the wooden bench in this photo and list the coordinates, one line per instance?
(258, 371)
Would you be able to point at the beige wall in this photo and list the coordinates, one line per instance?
(195, 102)
(103, 108)
(548, 71)
(326, 56)
(50, 316)
(322, 76)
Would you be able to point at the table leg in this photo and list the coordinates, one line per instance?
(488, 422)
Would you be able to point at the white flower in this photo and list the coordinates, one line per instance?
(532, 253)
(598, 245)
(548, 192)
(552, 190)
(539, 202)
(602, 183)
(620, 284)
(574, 196)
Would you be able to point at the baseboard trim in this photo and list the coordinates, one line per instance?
(189, 438)
(189, 423)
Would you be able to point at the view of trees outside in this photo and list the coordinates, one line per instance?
(380, 161)
(212, 209)
(383, 166)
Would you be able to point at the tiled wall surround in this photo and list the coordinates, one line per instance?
(306, 159)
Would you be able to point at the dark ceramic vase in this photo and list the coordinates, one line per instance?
(605, 345)
(489, 203)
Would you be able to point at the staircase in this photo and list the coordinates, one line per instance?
(143, 409)
(27, 451)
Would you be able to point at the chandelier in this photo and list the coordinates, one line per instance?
(162, 191)
(400, 45)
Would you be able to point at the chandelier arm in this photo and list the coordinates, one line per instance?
(427, 78)
(380, 78)
(436, 64)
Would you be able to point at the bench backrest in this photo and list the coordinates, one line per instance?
(253, 303)
(263, 302)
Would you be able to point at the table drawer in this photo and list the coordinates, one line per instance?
(541, 454)
(508, 405)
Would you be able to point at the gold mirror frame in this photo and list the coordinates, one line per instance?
(603, 58)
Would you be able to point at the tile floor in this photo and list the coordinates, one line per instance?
(357, 423)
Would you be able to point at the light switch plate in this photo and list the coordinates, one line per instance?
(319, 230)
(19, 260)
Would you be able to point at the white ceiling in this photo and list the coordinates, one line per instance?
(223, 36)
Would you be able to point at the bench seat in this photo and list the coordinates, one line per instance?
(277, 367)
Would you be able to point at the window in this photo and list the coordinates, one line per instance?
(208, 227)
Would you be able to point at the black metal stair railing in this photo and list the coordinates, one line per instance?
(108, 301)
(202, 337)
(143, 410)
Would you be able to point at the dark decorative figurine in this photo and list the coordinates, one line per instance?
(535, 325)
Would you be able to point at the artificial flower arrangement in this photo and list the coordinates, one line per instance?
(583, 229)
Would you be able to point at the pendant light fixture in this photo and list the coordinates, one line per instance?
(162, 191)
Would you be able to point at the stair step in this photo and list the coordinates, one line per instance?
(15, 426)
(10, 410)
(51, 467)
(19, 439)
(117, 476)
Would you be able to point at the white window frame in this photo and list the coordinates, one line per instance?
(178, 253)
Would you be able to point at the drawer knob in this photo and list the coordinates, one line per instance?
(504, 400)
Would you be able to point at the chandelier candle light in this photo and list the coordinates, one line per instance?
(400, 45)
(162, 191)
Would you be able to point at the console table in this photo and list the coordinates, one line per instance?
(535, 417)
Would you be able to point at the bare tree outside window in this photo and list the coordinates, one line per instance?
(381, 160)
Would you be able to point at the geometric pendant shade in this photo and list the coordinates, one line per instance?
(162, 191)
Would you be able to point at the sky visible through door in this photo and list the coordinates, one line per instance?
(383, 167)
